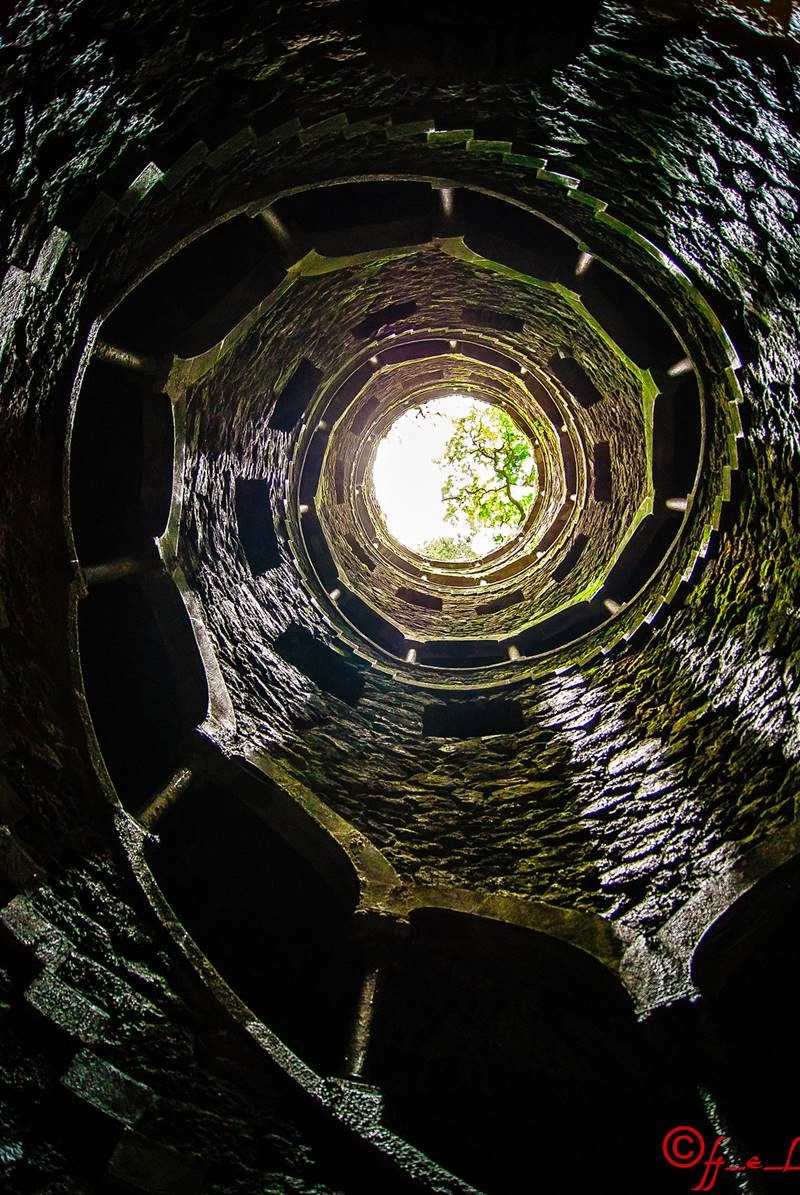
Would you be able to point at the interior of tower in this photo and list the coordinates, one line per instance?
(338, 858)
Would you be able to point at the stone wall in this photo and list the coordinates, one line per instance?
(635, 779)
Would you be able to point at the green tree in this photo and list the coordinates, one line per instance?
(448, 547)
(490, 472)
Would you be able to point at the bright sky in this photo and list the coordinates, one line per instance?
(408, 482)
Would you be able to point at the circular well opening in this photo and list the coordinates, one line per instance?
(454, 478)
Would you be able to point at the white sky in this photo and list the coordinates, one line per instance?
(408, 483)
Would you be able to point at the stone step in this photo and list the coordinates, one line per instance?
(145, 1165)
(105, 1087)
(47, 943)
(66, 1008)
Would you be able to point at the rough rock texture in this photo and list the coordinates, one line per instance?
(111, 1053)
(634, 779)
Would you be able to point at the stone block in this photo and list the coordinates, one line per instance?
(324, 128)
(11, 1151)
(489, 148)
(28, 926)
(439, 137)
(561, 180)
(105, 1087)
(98, 214)
(524, 161)
(141, 186)
(195, 156)
(50, 255)
(364, 128)
(66, 1008)
(280, 134)
(409, 130)
(244, 139)
(109, 991)
(147, 1166)
(13, 290)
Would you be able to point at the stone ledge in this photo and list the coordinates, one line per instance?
(148, 1166)
(105, 1087)
(66, 1008)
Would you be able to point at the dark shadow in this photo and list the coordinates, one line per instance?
(465, 719)
(516, 1061)
(371, 624)
(347, 390)
(256, 528)
(144, 680)
(483, 317)
(270, 924)
(488, 356)
(501, 603)
(747, 968)
(373, 323)
(359, 217)
(676, 438)
(503, 232)
(560, 628)
(641, 555)
(318, 550)
(570, 558)
(416, 350)
(601, 471)
(293, 399)
(468, 42)
(577, 381)
(633, 323)
(120, 464)
(359, 552)
(428, 601)
(363, 416)
(192, 301)
(338, 481)
(460, 653)
(325, 667)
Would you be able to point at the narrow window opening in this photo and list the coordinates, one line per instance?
(472, 719)
(602, 472)
(379, 319)
(293, 400)
(577, 381)
(501, 603)
(485, 317)
(325, 667)
(256, 528)
(428, 601)
(571, 558)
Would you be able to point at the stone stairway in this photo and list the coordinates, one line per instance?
(133, 1079)
(74, 1008)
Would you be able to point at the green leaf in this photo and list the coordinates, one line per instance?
(491, 472)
